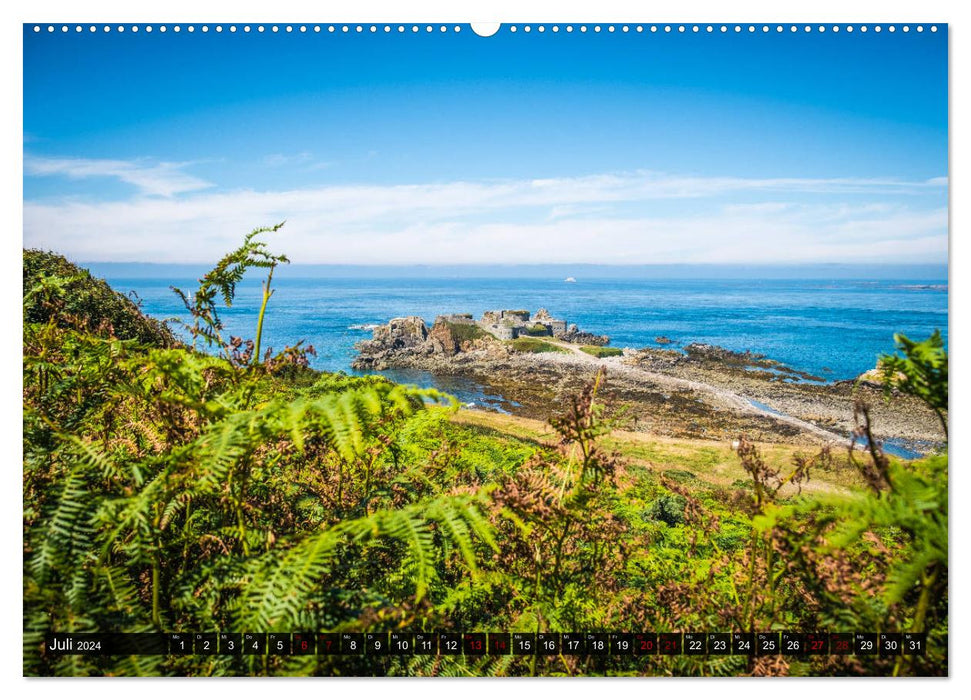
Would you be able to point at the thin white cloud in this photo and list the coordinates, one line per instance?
(301, 162)
(279, 160)
(610, 218)
(569, 211)
(160, 179)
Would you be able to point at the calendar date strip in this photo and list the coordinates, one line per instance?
(489, 643)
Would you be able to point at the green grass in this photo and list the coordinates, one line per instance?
(698, 463)
(534, 345)
(537, 329)
(600, 351)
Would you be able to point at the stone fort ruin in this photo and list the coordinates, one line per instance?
(408, 337)
(506, 324)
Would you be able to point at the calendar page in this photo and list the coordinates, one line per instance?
(514, 349)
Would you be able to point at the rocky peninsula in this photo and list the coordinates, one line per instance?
(698, 391)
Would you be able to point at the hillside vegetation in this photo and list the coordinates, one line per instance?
(56, 290)
(218, 486)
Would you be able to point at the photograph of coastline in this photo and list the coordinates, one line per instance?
(557, 345)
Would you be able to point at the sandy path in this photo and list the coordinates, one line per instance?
(716, 395)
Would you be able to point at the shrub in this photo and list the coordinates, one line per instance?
(668, 509)
(680, 475)
(921, 372)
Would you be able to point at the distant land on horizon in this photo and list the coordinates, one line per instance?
(869, 271)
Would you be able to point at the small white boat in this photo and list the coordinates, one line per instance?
(570, 279)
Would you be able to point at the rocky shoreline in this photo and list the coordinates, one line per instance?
(702, 392)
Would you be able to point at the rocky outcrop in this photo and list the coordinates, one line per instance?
(706, 352)
(402, 332)
(398, 336)
(698, 355)
(443, 339)
(582, 337)
(682, 394)
(458, 339)
(875, 379)
(408, 342)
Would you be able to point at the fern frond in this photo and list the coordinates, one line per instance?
(67, 529)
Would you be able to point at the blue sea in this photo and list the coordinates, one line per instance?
(832, 328)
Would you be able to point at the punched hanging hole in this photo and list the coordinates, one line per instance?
(485, 28)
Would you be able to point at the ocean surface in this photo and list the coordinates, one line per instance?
(834, 329)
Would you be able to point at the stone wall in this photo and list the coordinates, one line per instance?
(466, 319)
(500, 330)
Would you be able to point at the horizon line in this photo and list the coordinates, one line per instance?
(543, 265)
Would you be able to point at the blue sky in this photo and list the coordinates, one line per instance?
(453, 148)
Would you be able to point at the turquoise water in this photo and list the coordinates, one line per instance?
(833, 329)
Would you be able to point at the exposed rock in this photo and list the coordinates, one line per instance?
(582, 337)
(874, 379)
(704, 351)
(398, 336)
(657, 359)
(442, 339)
(402, 332)
(663, 340)
(408, 341)
(491, 351)
(698, 355)
(708, 393)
